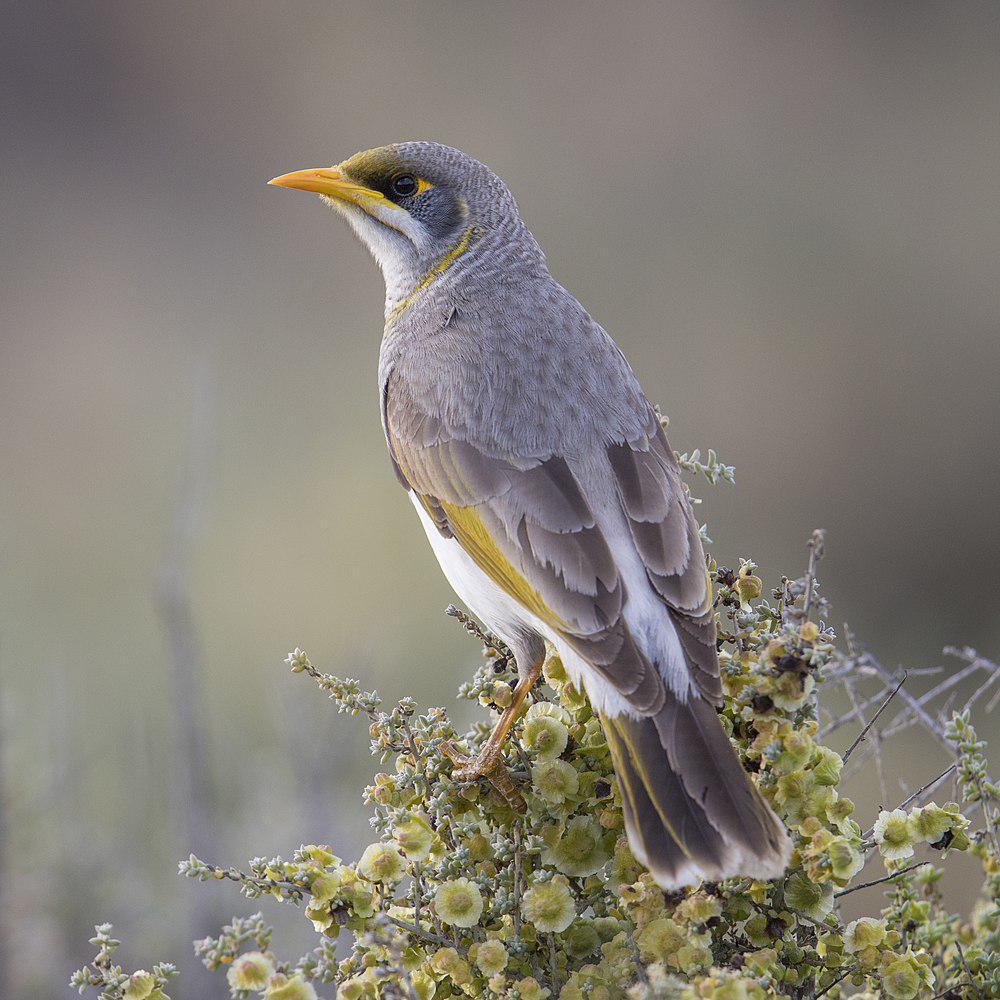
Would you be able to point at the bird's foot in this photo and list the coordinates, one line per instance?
(488, 764)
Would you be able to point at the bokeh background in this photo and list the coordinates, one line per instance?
(787, 214)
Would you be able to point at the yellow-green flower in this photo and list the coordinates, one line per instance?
(930, 823)
(661, 939)
(903, 976)
(459, 902)
(894, 835)
(865, 932)
(581, 849)
(546, 731)
(491, 957)
(581, 939)
(423, 985)
(845, 861)
(554, 671)
(351, 989)
(826, 766)
(289, 988)
(549, 906)
(554, 780)
(808, 897)
(140, 985)
(250, 971)
(449, 964)
(792, 791)
(530, 989)
(698, 908)
(789, 691)
(381, 863)
(414, 838)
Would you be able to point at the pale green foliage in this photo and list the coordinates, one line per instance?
(115, 983)
(466, 893)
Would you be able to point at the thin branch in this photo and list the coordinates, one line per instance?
(856, 712)
(875, 717)
(420, 932)
(933, 727)
(935, 692)
(816, 546)
(474, 628)
(981, 690)
(930, 784)
(968, 971)
(839, 979)
(878, 881)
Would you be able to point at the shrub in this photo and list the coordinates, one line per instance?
(527, 889)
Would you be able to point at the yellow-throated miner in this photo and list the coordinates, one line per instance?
(551, 497)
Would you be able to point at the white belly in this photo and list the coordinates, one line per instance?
(508, 619)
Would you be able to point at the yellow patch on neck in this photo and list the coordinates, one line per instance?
(434, 272)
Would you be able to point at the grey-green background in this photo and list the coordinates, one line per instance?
(788, 214)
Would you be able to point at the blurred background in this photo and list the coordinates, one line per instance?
(788, 215)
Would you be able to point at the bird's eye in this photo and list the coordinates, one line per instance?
(404, 185)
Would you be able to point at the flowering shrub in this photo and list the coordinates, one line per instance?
(527, 889)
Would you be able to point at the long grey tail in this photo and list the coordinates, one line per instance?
(691, 811)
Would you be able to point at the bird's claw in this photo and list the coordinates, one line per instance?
(488, 764)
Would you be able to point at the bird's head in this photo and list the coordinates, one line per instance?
(413, 204)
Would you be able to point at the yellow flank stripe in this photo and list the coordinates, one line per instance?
(470, 532)
(435, 272)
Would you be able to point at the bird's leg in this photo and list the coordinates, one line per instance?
(488, 763)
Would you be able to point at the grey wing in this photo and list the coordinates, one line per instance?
(525, 522)
(666, 536)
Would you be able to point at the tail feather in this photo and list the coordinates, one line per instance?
(691, 811)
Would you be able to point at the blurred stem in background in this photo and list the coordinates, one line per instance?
(191, 786)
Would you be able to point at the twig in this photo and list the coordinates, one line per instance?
(854, 713)
(981, 690)
(935, 692)
(874, 718)
(839, 979)
(878, 881)
(949, 991)
(932, 726)
(815, 554)
(968, 971)
(516, 916)
(474, 628)
(420, 932)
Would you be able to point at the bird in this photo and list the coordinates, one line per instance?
(549, 493)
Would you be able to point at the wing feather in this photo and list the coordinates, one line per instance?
(527, 524)
(666, 536)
